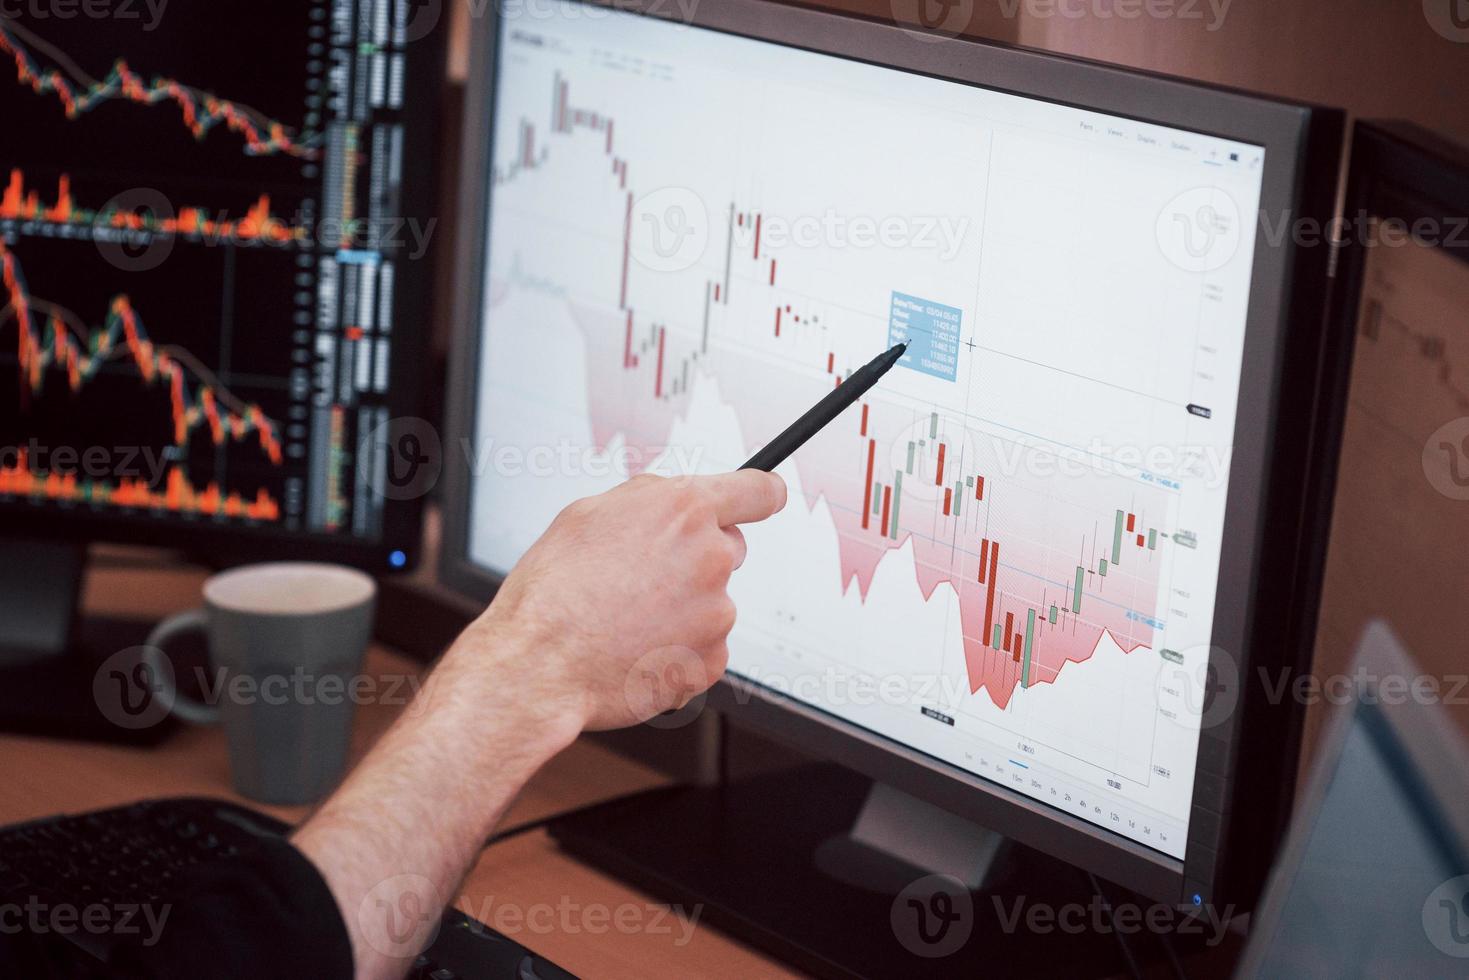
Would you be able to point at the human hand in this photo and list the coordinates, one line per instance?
(624, 598)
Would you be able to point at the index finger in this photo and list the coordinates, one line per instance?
(744, 496)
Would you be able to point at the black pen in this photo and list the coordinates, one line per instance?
(824, 411)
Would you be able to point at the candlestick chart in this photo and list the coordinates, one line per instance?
(688, 248)
(1024, 618)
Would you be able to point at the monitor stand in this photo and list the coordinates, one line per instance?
(831, 873)
(882, 852)
(50, 658)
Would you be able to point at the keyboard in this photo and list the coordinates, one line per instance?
(131, 855)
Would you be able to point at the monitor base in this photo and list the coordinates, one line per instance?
(49, 657)
(750, 857)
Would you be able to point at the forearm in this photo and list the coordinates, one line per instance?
(394, 842)
(629, 584)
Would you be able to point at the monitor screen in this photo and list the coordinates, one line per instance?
(206, 245)
(1006, 556)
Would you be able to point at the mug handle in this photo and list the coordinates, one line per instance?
(177, 625)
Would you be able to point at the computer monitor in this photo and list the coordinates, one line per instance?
(1030, 578)
(214, 223)
(1374, 877)
(1402, 439)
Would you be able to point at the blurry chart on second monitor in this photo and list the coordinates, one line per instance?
(1404, 467)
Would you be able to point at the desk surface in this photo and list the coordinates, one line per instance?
(589, 923)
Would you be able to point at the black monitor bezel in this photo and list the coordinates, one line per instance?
(222, 543)
(1302, 144)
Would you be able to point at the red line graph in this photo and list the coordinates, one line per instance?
(211, 407)
(200, 111)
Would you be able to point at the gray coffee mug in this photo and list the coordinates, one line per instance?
(286, 640)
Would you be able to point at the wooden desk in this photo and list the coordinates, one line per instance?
(589, 923)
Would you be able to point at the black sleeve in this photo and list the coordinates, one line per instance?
(266, 914)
